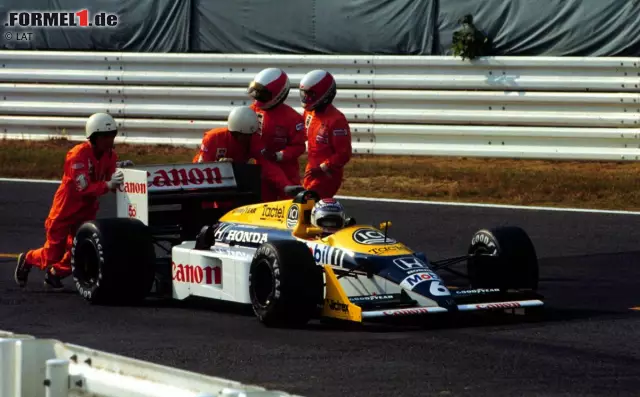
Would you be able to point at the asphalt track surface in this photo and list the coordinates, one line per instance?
(587, 343)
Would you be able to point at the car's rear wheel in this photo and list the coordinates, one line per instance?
(502, 257)
(113, 261)
(286, 286)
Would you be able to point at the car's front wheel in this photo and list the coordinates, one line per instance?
(286, 286)
(502, 257)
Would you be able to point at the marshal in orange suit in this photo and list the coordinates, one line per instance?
(281, 131)
(328, 134)
(89, 172)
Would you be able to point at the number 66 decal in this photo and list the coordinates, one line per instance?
(437, 289)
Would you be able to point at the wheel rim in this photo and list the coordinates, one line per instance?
(262, 283)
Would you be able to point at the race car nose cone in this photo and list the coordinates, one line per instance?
(436, 291)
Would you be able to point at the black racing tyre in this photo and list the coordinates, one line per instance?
(502, 257)
(113, 261)
(286, 286)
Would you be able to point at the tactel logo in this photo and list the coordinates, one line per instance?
(64, 19)
(368, 236)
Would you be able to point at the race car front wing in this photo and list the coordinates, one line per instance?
(357, 308)
(418, 310)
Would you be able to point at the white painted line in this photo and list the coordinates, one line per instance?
(421, 202)
(483, 205)
(29, 180)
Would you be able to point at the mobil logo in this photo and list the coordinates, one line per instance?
(195, 274)
(411, 281)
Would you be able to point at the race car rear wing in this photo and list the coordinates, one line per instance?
(181, 198)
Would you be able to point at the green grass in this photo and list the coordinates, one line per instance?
(582, 184)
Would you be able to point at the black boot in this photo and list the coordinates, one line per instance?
(21, 274)
(52, 281)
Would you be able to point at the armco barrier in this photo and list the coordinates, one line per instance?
(533, 107)
(31, 367)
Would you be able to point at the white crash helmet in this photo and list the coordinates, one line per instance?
(269, 88)
(244, 120)
(100, 123)
(328, 214)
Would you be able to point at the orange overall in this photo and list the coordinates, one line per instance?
(218, 143)
(329, 142)
(282, 129)
(75, 202)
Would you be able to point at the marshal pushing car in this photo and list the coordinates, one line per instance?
(222, 243)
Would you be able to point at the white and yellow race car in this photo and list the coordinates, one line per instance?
(269, 255)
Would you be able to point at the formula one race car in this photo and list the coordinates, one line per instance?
(269, 255)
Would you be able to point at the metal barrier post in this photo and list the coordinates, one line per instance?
(57, 378)
(10, 364)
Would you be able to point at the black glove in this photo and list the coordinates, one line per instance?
(269, 155)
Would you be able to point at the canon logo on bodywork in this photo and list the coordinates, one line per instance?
(407, 312)
(133, 188)
(184, 177)
(499, 305)
(196, 274)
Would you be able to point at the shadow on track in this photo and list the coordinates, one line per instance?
(575, 288)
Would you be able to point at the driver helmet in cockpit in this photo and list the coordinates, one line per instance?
(328, 215)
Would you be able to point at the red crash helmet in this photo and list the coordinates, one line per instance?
(269, 88)
(317, 88)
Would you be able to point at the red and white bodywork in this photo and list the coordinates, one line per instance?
(221, 271)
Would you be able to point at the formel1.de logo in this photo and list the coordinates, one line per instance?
(60, 19)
